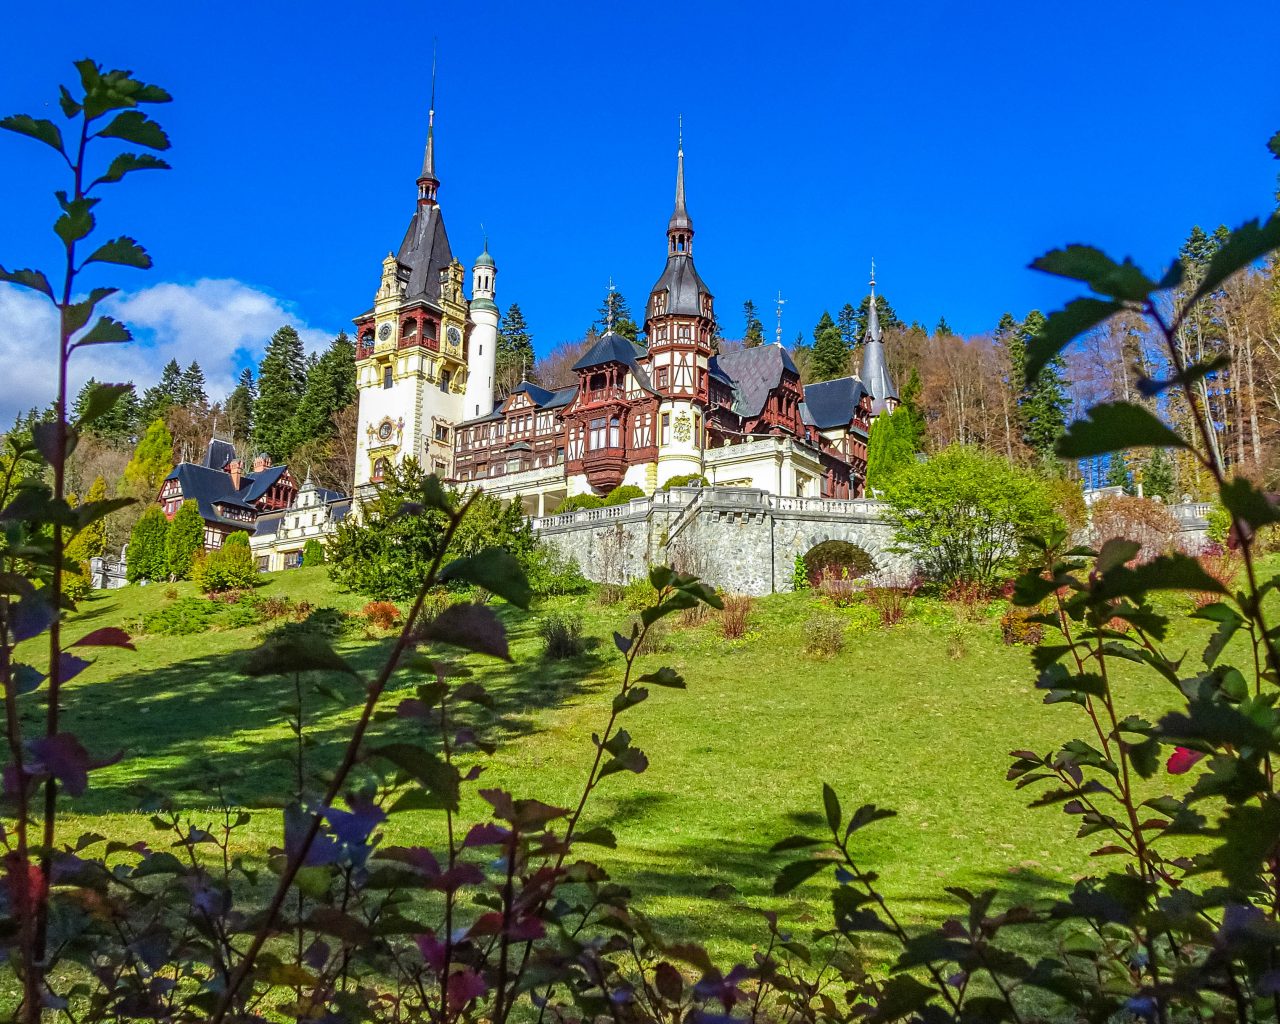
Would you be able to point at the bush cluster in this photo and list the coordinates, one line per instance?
(229, 567)
(824, 634)
(561, 636)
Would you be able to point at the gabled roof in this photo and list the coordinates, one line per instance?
(254, 487)
(832, 403)
(561, 398)
(538, 396)
(425, 252)
(754, 373)
(218, 454)
(614, 348)
(209, 487)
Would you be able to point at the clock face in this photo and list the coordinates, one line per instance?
(384, 332)
(454, 335)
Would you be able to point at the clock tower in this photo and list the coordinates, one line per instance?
(412, 351)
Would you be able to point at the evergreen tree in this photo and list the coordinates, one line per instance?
(331, 387)
(1043, 401)
(911, 402)
(152, 460)
(1157, 476)
(890, 447)
(847, 320)
(147, 557)
(191, 392)
(830, 355)
(119, 425)
(1118, 474)
(943, 330)
(281, 380)
(623, 325)
(156, 400)
(514, 359)
(888, 318)
(753, 335)
(185, 540)
(238, 411)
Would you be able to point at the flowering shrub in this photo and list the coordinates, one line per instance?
(380, 614)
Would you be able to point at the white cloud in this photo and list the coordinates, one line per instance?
(222, 324)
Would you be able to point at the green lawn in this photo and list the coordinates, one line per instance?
(737, 759)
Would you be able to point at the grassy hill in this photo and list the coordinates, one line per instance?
(737, 760)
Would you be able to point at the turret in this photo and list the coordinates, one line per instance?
(482, 350)
(875, 367)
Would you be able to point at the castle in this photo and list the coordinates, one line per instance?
(637, 414)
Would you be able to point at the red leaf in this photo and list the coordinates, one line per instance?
(464, 986)
(1183, 760)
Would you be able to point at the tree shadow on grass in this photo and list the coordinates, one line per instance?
(202, 733)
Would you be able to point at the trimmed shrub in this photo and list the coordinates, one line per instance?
(552, 574)
(184, 617)
(230, 567)
(148, 543)
(824, 635)
(622, 494)
(838, 557)
(686, 480)
(380, 614)
(733, 617)
(561, 636)
(312, 553)
(577, 501)
(1148, 522)
(185, 540)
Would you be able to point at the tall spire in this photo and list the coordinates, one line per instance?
(428, 183)
(680, 227)
(875, 374)
(873, 314)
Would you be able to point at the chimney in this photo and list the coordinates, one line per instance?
(235, 467)
(261, 462)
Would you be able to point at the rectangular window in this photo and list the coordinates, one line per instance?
(442, 432)
(597, 435)
(666, 428)
(697, 430)
(386, 377)
(615, 440)
(445, 377)
(664, 376)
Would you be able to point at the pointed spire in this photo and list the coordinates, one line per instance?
(428, 183)
(609, 317)
(875, 366)
(680, 227)
(873, 314)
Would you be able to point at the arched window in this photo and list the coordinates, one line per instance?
(379, 470)
(409, 332)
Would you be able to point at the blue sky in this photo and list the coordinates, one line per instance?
(952, 142)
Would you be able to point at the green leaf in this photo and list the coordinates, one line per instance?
(77, 314)
(795, 874)
(473, 627)
(134, 126)
(901, 996)
(795, 843)
(33, 279)
(661, 576)
(101, 400)
(431, 771)
(632, 759)
(864, 816)
(36, 128)
(1274, 145)
(629, 699)
(92, 511)
(598, 836)
(831, 804)
(495, 570)
(284, 655)
(1113, 427)
(126, 163)
(124, 251)
(1063, 327)
(1243, 500)
(106, 331)
(1165, 572)
(1099, 271)
(76, 222)
(1145, 757)
(68, 104)
(1116, 552)
(1246, 244)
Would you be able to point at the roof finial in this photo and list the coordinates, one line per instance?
(680, 222)
(873, 311)
(778, 336)
(609, 302)
(873, 274)
(680, 130)
(427, 181)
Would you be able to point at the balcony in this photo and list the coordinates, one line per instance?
(605, 467)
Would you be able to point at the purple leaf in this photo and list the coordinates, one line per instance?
(63, 757)
(432, 950)
(486, 834)
(470, 626)
(30, 617)
(69, 666)
(27, 679)
(464, 986)
(107, 636)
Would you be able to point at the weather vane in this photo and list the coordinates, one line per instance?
(609, 304)
(781, 302)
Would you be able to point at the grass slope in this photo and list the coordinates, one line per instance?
(737, 760)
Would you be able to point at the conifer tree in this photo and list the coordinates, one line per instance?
(157, 399)
(848, 323)
(830, 357)
(888, 318)
(330, 388)
(911, 402)
(943, 330)
(147, 557)
(281, 380)
(514, 359)
(239, 408)
(623, 325)
(753, 334)
(152, 460)
(890, 447)
(119, 425)
(1157, 476)
(1043, 401)
(191, 387)
(185, 540)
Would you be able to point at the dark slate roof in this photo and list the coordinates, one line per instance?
(875, 368)
(539, 396)
(207, 486)
(340, 509)
(268, 524)
(683, 286)
(254, 487)
(218, 454)
(561, 398)
(610, 348)
(754, 373)
(424, 253)
(831, 403)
